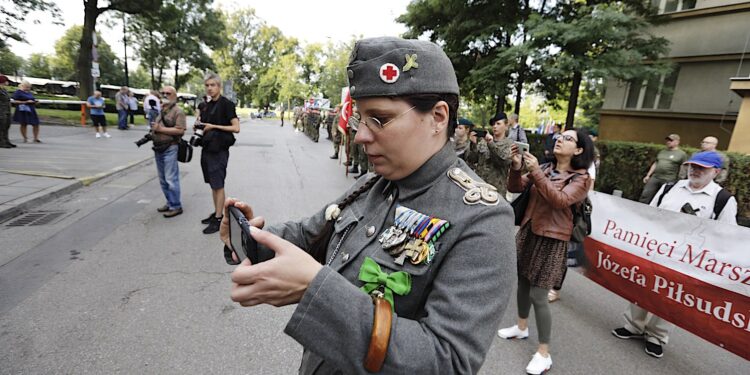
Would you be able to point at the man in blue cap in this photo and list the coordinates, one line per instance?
(697, 195)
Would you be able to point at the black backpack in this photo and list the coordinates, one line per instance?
(721, 198)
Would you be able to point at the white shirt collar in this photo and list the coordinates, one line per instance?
(712, 189)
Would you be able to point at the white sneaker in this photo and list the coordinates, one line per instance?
(539, 364)
(513, 333)
(98, 135)
(107, 135)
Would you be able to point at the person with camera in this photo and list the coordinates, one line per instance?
(491, 154)
(546, 228)
(166, 133)
(461, 136)
(409, 271)
(214, 133)
(697, 195)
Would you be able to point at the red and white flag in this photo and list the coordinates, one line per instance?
(346, 109)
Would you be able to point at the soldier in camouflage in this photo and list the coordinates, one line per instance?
(357, 155)
(330, 116)
(337, 138)
(4, 114)
(312, 124)
(491, 154)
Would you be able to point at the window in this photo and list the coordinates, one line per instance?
(655, 93)
(669, 6)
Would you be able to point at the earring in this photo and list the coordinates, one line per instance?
(437, 131)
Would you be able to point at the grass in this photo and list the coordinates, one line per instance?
(61, 116)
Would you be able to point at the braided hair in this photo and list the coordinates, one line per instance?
(319, 245)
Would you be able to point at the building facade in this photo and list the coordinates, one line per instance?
(709, 45)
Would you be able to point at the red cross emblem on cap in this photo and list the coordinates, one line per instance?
(389, 73)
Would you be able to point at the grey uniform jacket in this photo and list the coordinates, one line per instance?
(447, 322)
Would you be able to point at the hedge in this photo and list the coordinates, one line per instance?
(624, 164)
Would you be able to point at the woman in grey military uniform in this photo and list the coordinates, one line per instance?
(423, 230)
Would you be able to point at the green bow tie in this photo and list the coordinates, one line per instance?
(374, 277)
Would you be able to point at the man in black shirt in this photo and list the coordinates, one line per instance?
(220, 120)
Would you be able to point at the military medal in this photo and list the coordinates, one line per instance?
(412, 236)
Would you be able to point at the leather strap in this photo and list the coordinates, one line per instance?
(381, 334)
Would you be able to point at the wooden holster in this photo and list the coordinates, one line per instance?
(381, 334)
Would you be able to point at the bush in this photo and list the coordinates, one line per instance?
(624, 164)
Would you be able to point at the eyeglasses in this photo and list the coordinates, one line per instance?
(374, 123)
(569, 138)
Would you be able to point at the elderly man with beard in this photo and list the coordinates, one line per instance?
(697, 195)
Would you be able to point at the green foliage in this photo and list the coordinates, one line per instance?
(596, 39)
(475, 35)
(10, 63)
(251, 56)
(623, 165)
(39, 65)
(14, 13)
(177, 33)
(333, 71)
(63, 64)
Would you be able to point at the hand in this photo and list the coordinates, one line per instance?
(280, 281)
(156, 127)
(516, 159)
(257, 222)
(473, 137)
(531, 161)
(489, 138)
(645, 179)
(208, 127)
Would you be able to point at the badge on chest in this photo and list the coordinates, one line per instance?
(412, 236)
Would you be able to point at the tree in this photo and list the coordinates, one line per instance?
(67, 53)
(475, 36)
(252, 50)
(14, 12)
(10, 63)
(179, 33)
(598, 39)
(333, 72)
(91, 13)
(39, 65)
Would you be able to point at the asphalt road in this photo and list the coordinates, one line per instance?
(113, 287)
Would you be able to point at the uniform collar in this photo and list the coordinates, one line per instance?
(427, 174)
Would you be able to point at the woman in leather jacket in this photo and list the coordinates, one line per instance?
(542, 240)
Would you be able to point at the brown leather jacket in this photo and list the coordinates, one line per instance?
(551, 197)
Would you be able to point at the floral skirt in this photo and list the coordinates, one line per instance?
(541, 260)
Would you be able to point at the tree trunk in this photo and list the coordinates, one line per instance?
(83, 64)
(573, 100)
(161, 74)
(152, 62)
(500, 103)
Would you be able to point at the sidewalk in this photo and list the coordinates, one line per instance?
(69, 158)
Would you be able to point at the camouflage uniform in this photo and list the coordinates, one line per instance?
(313, 125)
(491, 161)
(4, 118)
(357, 154)
(297, 117)
(329, 124)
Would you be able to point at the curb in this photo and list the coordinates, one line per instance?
(60, 190)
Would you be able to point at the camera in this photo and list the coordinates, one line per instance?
(480, 133)
(197, 139)
(146, 138)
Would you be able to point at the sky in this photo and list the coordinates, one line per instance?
(310, 22)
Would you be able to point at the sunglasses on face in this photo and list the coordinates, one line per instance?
(373, 123)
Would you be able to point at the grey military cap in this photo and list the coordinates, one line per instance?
(389, 66)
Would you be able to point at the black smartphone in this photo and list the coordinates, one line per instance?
(240, 240)
(480, 133)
